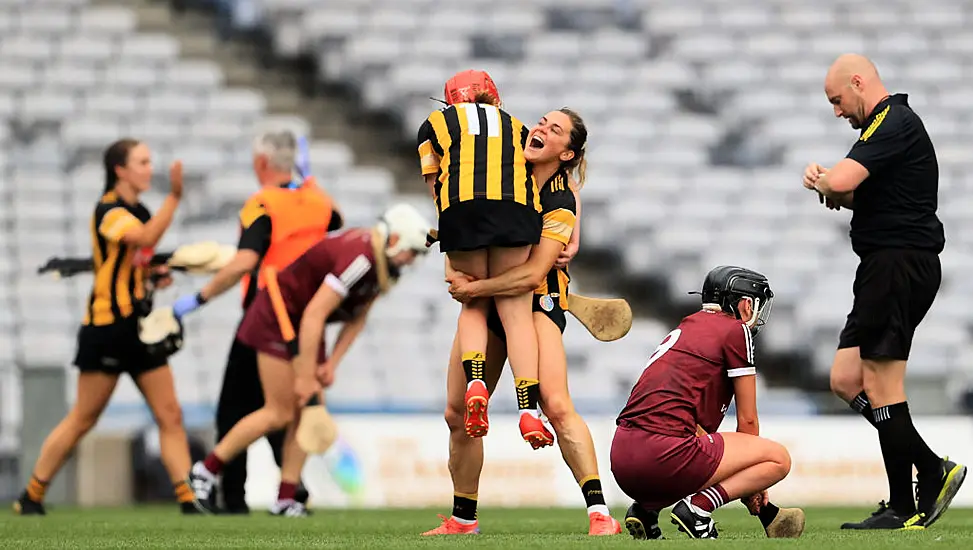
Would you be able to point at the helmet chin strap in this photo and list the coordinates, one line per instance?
(383, 230)
(394, 271)
(755, 315)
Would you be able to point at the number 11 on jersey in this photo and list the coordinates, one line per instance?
(472, 111)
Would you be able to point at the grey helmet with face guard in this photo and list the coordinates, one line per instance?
(726, 285)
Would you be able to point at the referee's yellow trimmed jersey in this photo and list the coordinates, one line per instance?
(478, 152)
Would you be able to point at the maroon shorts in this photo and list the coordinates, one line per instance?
(260, 330)
(659, 470)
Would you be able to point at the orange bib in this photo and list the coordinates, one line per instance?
(299, 218)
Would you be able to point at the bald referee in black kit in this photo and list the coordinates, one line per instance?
(890, 180)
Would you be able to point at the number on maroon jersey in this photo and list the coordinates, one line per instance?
(666, 345)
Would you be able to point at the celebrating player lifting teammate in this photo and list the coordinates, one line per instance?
(339, 278)
(472, 157)
(658, 457)
(556, 148)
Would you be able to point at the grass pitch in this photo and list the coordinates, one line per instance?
(163, 527)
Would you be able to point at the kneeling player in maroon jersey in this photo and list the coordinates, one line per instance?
(657, 457)
(337, 279)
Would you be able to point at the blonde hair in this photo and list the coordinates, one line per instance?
(578, 144)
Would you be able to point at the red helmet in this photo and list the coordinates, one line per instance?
(463, 87)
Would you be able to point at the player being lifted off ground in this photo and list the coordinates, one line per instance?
(690, 379)
(556, 147)
(472, 157)
(339, 278)
(890, 179)
(123, 235)
(278, 223)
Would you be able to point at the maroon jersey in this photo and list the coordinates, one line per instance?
(687, 379)
(345, 262)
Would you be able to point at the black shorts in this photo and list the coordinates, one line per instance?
(893, 291)
(115, 349)
(542, 303)
(482, 223)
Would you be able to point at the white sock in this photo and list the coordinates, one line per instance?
(532, 412)
(470, 385)
(599, 508)
(462, 521)
(200, 469)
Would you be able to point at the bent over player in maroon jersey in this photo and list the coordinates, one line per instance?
(657, 457)
(337, 279)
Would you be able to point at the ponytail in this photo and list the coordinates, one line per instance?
(582, 171)
(578, 144)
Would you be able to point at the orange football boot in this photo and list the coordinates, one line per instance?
(534, 431)
(476, 421)
(450, 526)
(600, 524)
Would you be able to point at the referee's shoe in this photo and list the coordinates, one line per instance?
(934, 496)
(888, 519)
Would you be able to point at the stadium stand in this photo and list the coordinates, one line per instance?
(702, 114)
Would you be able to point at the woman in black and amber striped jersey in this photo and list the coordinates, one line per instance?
(123, 236)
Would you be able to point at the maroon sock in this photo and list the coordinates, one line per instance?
(213, 464)
(287, 491)
(710, 499)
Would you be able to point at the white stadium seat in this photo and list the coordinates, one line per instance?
(663, 92)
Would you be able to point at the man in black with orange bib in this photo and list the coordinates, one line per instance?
(278, 223)
(890, 179)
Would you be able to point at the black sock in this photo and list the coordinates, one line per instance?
(591, 489)
(767, 514)
(473, 365)
(464, 506)
(528, 392)
(927, 462)
(894, 435)
(861, 405)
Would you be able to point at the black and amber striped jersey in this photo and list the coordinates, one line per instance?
(559, 209)
(478, 152)
(121, 270)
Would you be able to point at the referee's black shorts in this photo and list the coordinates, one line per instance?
(483, 223)
(893, 290)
